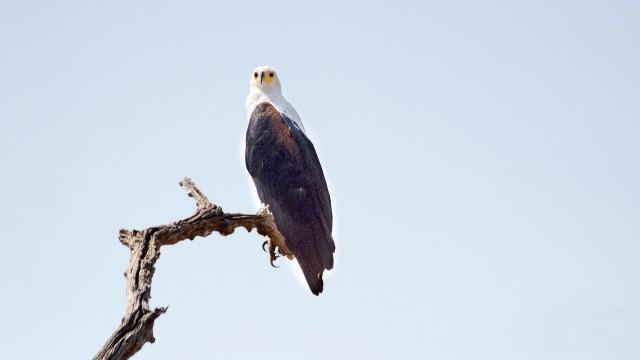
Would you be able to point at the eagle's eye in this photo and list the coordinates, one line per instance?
(255, 75)
(270, 74)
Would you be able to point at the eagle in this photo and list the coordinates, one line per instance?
(288, 177)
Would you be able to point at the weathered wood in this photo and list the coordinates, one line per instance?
(136, 327)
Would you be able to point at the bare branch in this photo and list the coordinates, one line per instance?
(192, 190)
(136, 327)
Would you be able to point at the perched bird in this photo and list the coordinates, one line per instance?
(287, 174)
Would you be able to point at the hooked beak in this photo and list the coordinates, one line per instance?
(261, 77)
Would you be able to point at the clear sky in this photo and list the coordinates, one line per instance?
(483, 157)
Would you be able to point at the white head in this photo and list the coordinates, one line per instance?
(265, 79)
(265, 86)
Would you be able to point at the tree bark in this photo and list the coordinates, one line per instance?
(136, 327)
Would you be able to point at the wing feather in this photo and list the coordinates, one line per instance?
(288, 176)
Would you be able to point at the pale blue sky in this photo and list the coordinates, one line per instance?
(484, 161)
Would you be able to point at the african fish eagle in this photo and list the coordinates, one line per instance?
(287, 174)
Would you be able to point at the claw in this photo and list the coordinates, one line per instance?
(271, 248)
(273, 258)
(272, 254)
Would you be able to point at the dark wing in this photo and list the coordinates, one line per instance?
(287, 173)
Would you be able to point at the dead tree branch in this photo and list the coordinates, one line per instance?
(137, 324)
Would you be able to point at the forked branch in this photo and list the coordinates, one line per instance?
(136, 327)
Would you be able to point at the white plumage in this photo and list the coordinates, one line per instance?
(259, 93)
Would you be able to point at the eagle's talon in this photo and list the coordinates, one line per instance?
(273, 256)
(264, 244)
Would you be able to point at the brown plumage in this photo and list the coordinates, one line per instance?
(288, 176)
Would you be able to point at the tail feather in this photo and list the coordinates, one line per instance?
(311, 243)
(314, 278)
(314, 253)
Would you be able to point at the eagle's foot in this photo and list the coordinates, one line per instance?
(273, 256)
